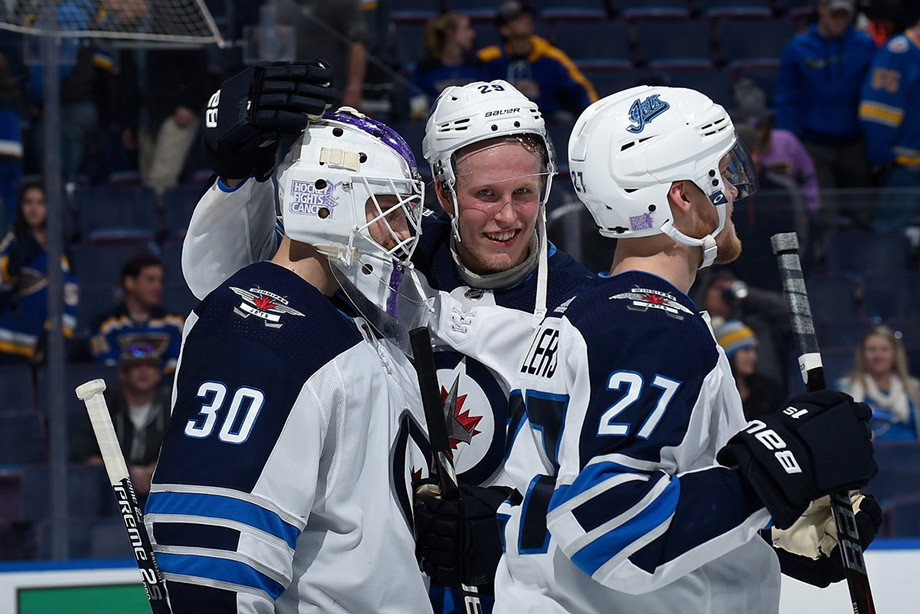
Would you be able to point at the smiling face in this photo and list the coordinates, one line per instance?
(498, 193)
(878, 353)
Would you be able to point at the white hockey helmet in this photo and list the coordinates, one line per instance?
(628, 148)
(467, 114)
(349, 176)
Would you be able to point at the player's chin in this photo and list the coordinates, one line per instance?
(729, 247)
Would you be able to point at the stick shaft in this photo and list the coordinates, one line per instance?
(442, 459)
(785, 246)
(130, 511)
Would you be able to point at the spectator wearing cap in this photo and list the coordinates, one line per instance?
(139, 406)
(542, 72)
(139, 315)
(759, 394)
(817, 97)
(890, 112)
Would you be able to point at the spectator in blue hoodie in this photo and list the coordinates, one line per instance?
(817, 98)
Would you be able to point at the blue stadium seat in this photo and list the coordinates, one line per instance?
(673, 44)
(637, 10)
(22, 438)
(601, 43)
(178, 204)
(477, 10)
(16, 392)
(764, 78)
(570, 10)
(74, 375)
(892, 296)
(832, 297)
(753, 43)
(97, 264)
(838, 362)
(715, 83)
(909, 328)
(414, 10)
(171, 253)
(178, 298)
(559, 134)
(90, 495)
(898, 470)
(117, 213)
(109, 540)
(721, 9)
(902, 516)
(607, 82)
(410, 43)
(95, 300)
(11, 494)
(845, 333)
(861, 253)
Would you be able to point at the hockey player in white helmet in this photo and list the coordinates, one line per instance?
(493, 161)
(642, 490)
(273, 492)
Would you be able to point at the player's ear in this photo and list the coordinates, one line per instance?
(679, 196)
(444, 198)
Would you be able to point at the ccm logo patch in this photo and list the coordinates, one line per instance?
(772, 441)
(541, 357)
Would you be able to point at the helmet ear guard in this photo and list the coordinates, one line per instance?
(641, 140)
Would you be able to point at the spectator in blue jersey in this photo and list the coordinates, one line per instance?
(449, 40)
(890, 113)
(542, 72)
(817, 96)
(10, 144)
(139, 316)
(24, 282)
(881, 378)
(139, 405)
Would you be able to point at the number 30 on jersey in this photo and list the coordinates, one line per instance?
(240, 417)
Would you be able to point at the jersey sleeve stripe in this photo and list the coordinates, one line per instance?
(614, 545)
(195, 535)
(880, 113)
(215, 506)
(220, 570)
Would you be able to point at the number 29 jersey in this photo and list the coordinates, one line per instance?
(627, 398)
(273, 491)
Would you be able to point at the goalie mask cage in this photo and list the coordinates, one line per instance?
(164, 21)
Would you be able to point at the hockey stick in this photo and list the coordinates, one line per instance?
(91, 394)
(442, 460)
(786, 248)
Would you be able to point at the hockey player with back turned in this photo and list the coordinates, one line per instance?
(482, 262)
(643, 489)
(273, 493)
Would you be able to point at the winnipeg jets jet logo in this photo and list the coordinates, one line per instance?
(263, 304)
(461, 426)
(643, 299)
(644, 111)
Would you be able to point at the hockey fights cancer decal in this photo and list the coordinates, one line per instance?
(314, 198)
(265, 305)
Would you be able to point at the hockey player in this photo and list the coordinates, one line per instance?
(272, 492)
(642, 488)
(492, 178)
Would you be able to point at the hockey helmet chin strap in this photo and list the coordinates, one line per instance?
(708, 242)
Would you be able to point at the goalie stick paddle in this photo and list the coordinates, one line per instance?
(91, 394)
(786, 248)
(438, 438)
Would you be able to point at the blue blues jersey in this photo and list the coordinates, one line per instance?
(431, 77)
(890, 106)
(273, 492)
(117, 330)
(625, 400)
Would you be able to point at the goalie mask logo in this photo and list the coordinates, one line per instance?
(267, 306)
(314, 198)
(477, 426)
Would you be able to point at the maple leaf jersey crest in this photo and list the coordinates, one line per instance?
(267, 306)
(643, 299)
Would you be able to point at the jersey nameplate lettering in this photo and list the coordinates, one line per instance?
(541, 357)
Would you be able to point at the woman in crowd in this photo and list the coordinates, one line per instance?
(880, 379)
(24, 281)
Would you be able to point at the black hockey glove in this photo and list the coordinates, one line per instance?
(254, 108)
(809, 550)
(820, 443)
(458, 542)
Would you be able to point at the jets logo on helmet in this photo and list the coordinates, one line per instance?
(642, 112)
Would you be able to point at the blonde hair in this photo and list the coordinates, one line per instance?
(900, 368)
(438, 29)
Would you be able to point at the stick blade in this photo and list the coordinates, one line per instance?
(89, 389)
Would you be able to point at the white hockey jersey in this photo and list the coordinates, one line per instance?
(272, 492)
(628, 399)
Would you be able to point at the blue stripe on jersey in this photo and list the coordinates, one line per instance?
(217, 506)
(221, 570)
(517, 414)
(534, 538)
(195, 536)
(598, 552)
(713, 502)
(546, 412)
